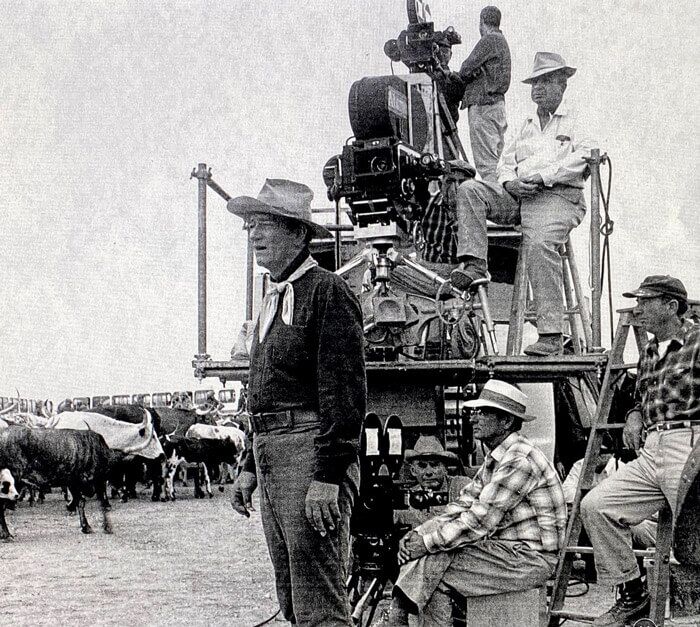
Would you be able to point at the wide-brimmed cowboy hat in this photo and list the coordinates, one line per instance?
(503, 396)
(547, 62)
(281, 197)
(429, 447)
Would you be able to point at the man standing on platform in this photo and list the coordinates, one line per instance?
(307, 397)
(486, 77)
(662, 427)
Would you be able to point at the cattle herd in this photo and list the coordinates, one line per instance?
(110, 448)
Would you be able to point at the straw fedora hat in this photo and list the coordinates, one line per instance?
(547, 62)
(503, 396)
(284, 198)
(429, 447)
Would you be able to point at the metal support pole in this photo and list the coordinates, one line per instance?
(337, 236)
(202, 175)
(594, 164)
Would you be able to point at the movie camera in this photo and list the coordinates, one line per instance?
(391, 175)
(399, 124)
(374, 532)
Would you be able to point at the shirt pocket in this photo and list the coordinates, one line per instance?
(290, 350)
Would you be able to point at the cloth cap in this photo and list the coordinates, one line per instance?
(429, 447)
(503, 396)
(547, 62)
(659, 285)
(284, 198)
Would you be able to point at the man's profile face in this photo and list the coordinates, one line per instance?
(429, 473)
(276, 241)
(487, 423)
(653, 314)
(547, 91)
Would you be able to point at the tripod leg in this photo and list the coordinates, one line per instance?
(368, 598)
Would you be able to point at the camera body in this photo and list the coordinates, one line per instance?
(385, 171)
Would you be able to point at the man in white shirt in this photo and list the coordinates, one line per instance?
(541, 176)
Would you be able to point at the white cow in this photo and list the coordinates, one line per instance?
(134, 439)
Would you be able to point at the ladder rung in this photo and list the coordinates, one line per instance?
(609, 425)
(583, 618)
(614, 367)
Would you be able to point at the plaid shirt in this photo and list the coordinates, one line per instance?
(439, 229)
(669, 388)
(515, 495)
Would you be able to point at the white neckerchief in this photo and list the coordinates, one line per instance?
(269, 304)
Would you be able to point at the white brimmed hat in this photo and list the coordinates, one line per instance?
(429, 447)
(547, 62)
(503, 396)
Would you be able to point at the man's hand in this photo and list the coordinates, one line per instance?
(322, 506)
(243, 489)
(411, 547)
(632, 432)
(525, 186)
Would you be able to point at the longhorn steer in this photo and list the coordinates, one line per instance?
(139, 440)
(8, 497)
(78, 460)
(201, 452)
(166, 421)
(223, 432)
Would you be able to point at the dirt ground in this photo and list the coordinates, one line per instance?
(188, 562)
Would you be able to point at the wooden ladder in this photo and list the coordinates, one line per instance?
(660, 573)
(574, 299)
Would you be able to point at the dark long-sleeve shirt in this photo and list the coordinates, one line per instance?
(316, 363)
(486, 72)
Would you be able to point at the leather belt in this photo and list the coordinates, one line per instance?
(271, 421)
(674, 424)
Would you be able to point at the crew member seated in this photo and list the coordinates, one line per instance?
(427, 463)
(502, 533)
(540, 184)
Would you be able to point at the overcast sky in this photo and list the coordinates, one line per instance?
(108, 106)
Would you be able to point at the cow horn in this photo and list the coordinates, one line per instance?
(47, 409)
(9, 410)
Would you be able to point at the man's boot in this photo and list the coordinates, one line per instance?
(632, 603)
(547, 344)
(469, 270)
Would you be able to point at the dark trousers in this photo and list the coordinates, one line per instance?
(310, 570)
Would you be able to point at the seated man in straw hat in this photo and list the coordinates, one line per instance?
(427, 463)
(541, 176)
(306, 395)
(501, 534)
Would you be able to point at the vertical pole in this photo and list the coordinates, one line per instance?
(594, 165)
(202, 175)
(337, 237)
(249, 279)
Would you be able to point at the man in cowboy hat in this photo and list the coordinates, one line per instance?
(662, 427)
(486, 76)
(427, 462)
(540, 183)
(306, 395)
(501, 534)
